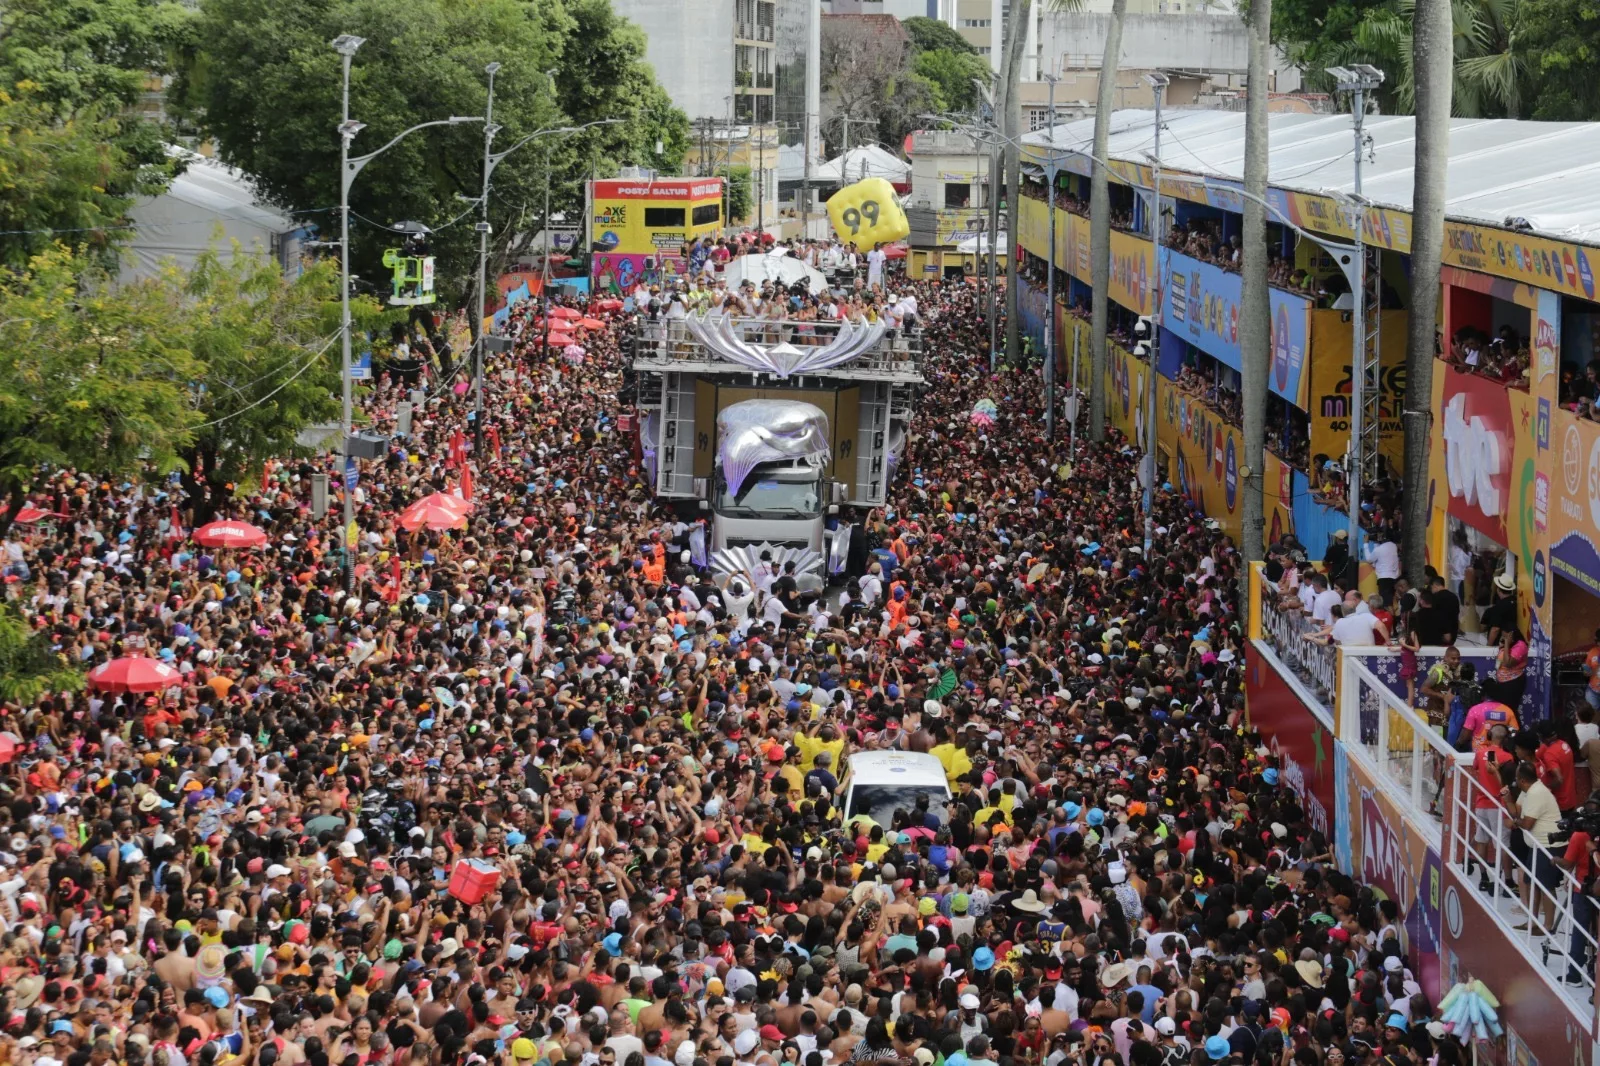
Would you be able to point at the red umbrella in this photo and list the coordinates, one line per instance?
(564, 312)
(558, 339)
(439, 511)
(8, 748)
(230, 534)
(607, 305)
(591, 323)
(134, 673)
(29, 515)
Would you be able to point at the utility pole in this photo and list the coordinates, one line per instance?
(1158, 84)
(346, 46)
(489, 130)
(1358, 80)
(1050, 280)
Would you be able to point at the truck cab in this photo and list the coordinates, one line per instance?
(766, 440)
(878, 783)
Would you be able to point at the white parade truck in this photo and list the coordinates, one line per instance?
(767, 428)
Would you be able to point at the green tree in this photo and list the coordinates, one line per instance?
(741, 191)
(1563, 39)
(95, 377)
(931, 35)
(29, 668)
(270, 351)
(263, 82)
(951, 75)
(57, 175)
(74, 74)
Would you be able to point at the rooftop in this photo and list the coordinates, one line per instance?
(1538, 177)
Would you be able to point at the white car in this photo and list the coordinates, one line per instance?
(878, 783)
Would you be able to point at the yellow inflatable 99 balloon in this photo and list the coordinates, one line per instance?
(868, 213)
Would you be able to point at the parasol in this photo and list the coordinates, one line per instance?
(591, 323)
(438, 511)
(565, 312)
(134, 673)
(230, 534)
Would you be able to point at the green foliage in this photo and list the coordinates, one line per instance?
(931, 35)
(95, 378)
(29, 668)
(272, 364)
(1508, 53)
(868, 74)
(57, 175)
(1562, 38)
(950, 74)
(72, 75)
(741, 192)
(264, 83)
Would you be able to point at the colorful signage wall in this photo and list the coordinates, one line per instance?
(637, 228)
(1299, 737)
(1207, 454)
(1201, 305)
(1575, 514)
(1377, 846)
(1330, 378)
(1133, 268)
(1540, 1029)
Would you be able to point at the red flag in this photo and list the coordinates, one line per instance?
(458, 449)
(494, 439)
(466, 482)
(392, 593)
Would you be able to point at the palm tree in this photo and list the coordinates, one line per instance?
(1432, 56)
(1100, 224)
(1492, 70)
(1255, 311)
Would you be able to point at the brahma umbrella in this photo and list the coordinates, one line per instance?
(565, 312)
(134, 673)
(441, 510)
(591, 323)
(230, 534)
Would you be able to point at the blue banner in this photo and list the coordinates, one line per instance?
(1200, 304)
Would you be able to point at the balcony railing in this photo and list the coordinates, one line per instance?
(1316, 665)
(897, 356)
(1410, 756)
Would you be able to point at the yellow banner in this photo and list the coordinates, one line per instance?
(1133, 260)
(1330, 392)
(1543, 264)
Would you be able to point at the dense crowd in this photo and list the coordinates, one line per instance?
(254, 866)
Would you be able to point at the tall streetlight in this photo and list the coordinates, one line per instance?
(491, 160)
(1050, 269)
(1358, 80)
(347, 45)
(1158, 83)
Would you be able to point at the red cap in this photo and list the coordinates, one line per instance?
(772, 1032)
(712, 836)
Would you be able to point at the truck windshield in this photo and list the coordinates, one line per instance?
(772, 492)
(880, 802)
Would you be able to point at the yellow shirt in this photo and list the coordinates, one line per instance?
(954, 759)
(811, 746)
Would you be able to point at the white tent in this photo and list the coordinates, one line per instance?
(758, 268)
(209, 205)
(867, 161)
(980, 244)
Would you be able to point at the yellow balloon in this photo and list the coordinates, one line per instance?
(868, 213)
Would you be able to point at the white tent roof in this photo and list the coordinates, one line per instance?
(208, 205)
(776, 265)
(867, 161)
(1544, 173)
(980, 243)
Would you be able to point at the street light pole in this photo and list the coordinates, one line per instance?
(347, 45)
(489, 130)
(1158, 84)
(1358, 80)
(1050, 280)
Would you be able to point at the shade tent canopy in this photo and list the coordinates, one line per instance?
(783, 269)
(867, 161)
(1543, 175)
(980, 243)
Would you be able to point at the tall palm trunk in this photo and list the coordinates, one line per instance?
(1100, 224)
(1432, 53)
(1016, 44)
(1255, 308)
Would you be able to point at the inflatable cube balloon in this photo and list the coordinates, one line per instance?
(868, 213)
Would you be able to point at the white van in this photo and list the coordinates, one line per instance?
(878, 783)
